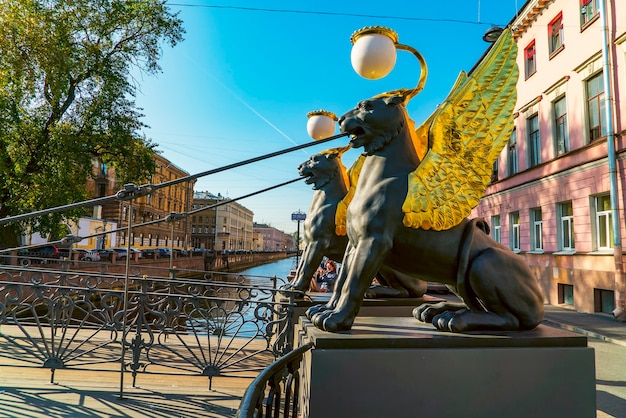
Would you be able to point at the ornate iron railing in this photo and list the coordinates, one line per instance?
(214, 324)
(275, 389)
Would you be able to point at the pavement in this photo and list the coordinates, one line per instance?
(597, 325)
(600, 326)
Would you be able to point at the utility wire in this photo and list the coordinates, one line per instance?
(170, 218)
(310, 12)
(131, 191)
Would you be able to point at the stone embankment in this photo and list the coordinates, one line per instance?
(186, 266)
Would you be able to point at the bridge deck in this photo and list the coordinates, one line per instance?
(27, 393)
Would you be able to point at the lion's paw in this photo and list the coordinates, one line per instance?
(427, 312)
(450, 321)
(287, 289)
(332, 321)
(315, 309)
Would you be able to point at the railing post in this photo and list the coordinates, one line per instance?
(125, 301)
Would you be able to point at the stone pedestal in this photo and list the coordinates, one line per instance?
(382, 307)
(399, 367)
(370, 307)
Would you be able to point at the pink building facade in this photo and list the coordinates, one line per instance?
(558, 185)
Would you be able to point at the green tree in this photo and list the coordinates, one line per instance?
(67, 99)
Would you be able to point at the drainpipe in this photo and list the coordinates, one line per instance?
(620, 290)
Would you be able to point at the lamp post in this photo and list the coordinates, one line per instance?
(373, 56)
(298, 216)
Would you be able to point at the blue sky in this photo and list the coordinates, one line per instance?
(242, 81)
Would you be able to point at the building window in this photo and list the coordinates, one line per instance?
(534, 141)
(495, 228)
(566, 226)
(193, 229)
(604, 232)
(511, 157)
(566, 294)
(494, 171)
(603, 300)
(103, 169)
(588, 10)
(530, 59)
(102, 189)
(561, 134)
(515, 232)
(595, 107)
(537, 230)
(555, 34)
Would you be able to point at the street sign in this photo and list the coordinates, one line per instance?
(298, 216)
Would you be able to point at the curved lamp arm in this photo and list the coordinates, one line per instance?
(373, 56)
(423, 71)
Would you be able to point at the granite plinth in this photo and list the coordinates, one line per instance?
(369, 307)
(381, 307)
(399, 367)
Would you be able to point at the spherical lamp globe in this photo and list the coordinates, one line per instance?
(373, 53)
(321, 124)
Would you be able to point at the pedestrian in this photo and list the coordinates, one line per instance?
(326, 282)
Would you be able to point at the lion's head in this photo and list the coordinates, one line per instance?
(320, 169)
(376, 121)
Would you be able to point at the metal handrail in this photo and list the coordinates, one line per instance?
(286, 371)
(132, 191)
(88, 320)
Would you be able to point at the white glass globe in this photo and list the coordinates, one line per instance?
(321, 124)
(373, 55)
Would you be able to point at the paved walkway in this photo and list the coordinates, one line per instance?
(600, 326)
(27, 393)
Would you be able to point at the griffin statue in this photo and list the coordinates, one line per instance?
(415, 189)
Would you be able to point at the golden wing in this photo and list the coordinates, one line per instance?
(465, 135)
(341, 215)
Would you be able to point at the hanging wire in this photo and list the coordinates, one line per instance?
(323, 13)
(132, 191)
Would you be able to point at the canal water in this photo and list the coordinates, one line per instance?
(240, 319)
(261, 274)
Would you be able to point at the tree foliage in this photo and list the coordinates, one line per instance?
(67, 98)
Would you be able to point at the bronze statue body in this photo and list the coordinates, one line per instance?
(329, 178)
(497, 286)
(325, 172)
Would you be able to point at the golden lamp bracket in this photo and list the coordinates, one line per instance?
(373, 56)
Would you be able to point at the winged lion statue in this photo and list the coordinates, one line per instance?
(415, 191)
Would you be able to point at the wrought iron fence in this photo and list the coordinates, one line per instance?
(276, 389)
(212, 324)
